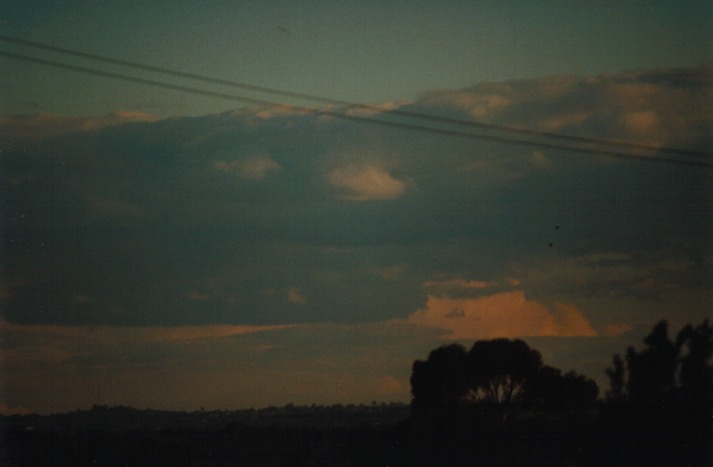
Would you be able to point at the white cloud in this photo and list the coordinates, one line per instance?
(665, 107)
(370, 110)
(254, 168)
(366, 183)
(477, 105)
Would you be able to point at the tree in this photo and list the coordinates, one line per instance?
(616, 379)
(666, 370)
(663, 394)
(652, 371)
(696, 371)
(441, 380)
(500, 369)
(551, 389)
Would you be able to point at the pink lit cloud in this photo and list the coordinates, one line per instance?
(366, 183)
(504, 314)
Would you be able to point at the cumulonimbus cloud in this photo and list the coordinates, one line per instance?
(505, 314)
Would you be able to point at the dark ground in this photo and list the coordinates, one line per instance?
(374, 435)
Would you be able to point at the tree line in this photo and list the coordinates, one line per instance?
(496, 403)
(503, 403)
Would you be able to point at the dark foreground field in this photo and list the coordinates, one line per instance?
(359, 435)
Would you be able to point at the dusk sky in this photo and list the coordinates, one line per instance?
(173, 250)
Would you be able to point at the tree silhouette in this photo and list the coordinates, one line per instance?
(677, 370)
(660, 407)
(442, 380)
(696, 371)
(652, 372)
(550, 388)
(616, 379)
(500, 369)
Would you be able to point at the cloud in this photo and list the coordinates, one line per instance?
(488, 100)
(617, 329)
(294, 296)
(372, 110)
(197, 296)
(642, 122)
(656, 107)
(187, 333)
(141, 217)
(134, 334)
(458, 286)
(538, 160)
(254, 168)
(45, 125)
(505, 314)
(460, 283)
(393, 272)
(559, 123)
(147, 252)
(618, 274)
(366, 183)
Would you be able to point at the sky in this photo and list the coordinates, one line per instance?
(174, 250)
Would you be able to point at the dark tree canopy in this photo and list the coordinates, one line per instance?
(498, 371)
(661, 398)
(443, 378)
(696, 370)
(498, 396)
(550, 388)
(500, 368)
(677, 370)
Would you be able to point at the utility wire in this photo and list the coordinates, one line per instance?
(326, 100)
(357, 118)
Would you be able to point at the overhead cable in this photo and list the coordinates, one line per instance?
(326, 100)
(358, 118)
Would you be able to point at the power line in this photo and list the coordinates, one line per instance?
(357, 118)
(326, 100)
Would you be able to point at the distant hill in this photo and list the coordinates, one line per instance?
(123, 419)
